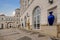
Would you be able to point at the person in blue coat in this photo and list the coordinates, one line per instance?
(51, 18)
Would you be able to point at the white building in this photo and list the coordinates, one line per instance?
(10, 21)
(37, 12)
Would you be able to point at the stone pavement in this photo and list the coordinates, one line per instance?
(16, 34)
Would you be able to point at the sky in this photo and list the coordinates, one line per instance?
(7, 7)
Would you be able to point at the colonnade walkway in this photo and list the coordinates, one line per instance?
(17, 34)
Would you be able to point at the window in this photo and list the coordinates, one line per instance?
(28, 2)
(24, 2)
(22, 24)
(2, 26)
(2, 18)
(36, 18)
(25, 20)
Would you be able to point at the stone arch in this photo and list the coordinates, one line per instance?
(36, 17)
(9, 24)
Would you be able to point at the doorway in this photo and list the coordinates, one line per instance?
(36, 17)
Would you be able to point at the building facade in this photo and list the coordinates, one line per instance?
(10, 21)
(17, 16)
(17, 12)
(34, 15)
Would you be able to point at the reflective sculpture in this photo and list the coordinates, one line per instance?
(51, 18)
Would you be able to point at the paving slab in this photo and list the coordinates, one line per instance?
(16, 34)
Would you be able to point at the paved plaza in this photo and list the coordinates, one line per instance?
(17, 34)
